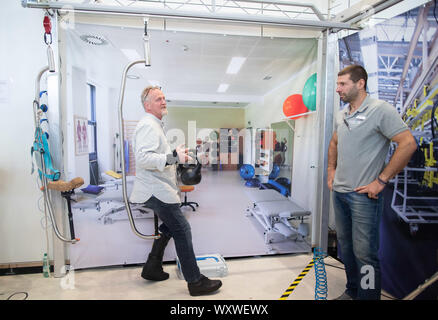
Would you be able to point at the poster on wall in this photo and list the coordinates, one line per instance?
(411, 213)
(220, 223)
(81, 135)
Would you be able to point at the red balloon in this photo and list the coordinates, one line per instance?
(293, 105)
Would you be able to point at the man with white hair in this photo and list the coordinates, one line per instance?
(155, 185)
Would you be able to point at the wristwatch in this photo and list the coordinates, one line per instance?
(171, 158)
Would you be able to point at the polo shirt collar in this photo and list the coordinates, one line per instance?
(363, 107)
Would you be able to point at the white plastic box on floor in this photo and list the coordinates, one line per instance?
(210, 265)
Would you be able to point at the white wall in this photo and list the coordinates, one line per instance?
(80, 109)
(78, 75)
(305, 149)
(107, 125)
(22, 55)
(132, 108)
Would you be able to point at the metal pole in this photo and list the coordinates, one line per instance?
(287, 3)
(36, 102)
(325, 124)
(51, 212)
(46, 194)
(422, 287)
(421, 19)
(166, 13)
(358, 12)
(122, 148)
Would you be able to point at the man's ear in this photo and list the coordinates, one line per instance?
(361, 83)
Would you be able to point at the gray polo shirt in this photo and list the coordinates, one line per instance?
(363, 142)
(152, 176)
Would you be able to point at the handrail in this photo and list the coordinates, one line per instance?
(122, 148)
(47, 198)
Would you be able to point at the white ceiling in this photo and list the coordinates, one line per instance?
(189, 65)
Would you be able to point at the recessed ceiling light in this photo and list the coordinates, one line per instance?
(132, 76)
(235, 65)
(223, 87)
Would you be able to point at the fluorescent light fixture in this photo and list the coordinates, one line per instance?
(223, 87)
(131, 54)
(235, 64)
(154, 83)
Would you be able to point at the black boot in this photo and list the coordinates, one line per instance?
(153, 268)
(203, 286)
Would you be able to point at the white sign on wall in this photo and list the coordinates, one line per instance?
(81, 135)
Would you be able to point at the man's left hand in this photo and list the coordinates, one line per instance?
(183, 156)
(373, 189)
(203, 158)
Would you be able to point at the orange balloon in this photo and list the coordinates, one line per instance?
(293, 105)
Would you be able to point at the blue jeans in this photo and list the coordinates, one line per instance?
(176, 225)
(357, 226)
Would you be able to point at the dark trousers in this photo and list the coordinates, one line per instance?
(176, 226)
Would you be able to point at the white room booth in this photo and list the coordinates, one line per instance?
(189, 52)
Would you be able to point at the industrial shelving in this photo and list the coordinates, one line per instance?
(411, 211)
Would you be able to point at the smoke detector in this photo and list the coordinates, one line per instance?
(94, 39)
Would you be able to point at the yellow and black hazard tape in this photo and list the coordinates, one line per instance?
(297, 280)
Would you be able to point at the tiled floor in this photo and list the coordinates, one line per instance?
(255, 278)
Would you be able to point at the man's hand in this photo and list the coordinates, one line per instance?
(203, 158)
(182, 152)
(373, 189)
(330, 178)
(332, 160)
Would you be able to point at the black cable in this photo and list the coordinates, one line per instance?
(25, 297)
(330, 265)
